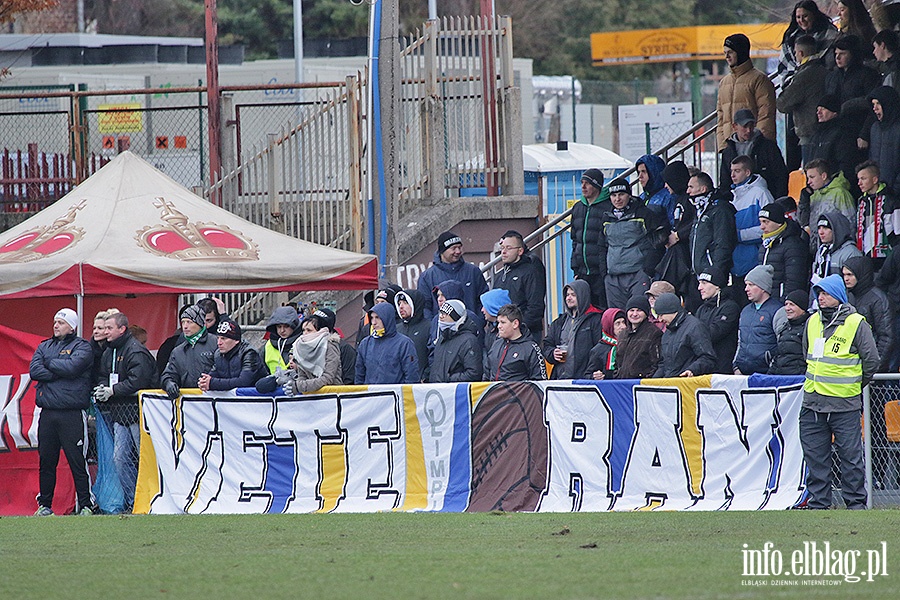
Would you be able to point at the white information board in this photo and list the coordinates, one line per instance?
(666, 121)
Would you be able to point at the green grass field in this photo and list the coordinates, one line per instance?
(598, 555)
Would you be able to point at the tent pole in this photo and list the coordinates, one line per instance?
(79, 308)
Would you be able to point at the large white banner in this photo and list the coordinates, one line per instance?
(705, 443)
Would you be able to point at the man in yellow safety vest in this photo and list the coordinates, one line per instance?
(841, 357)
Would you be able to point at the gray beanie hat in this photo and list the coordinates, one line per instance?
(667, 304)
(761, 276)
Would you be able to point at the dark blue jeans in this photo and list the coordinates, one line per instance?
(816, 431)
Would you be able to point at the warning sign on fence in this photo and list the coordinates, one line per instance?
(115, 118)
(162, 142)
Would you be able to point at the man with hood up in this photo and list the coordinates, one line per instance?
(784, 249)
(283, 328)
(603, 360)
(675, 266)
(457, 351)
(385, 356)
(572, 335)
(410, 306)
(743, 87)
(588, 259)
(836, 245)
(869, 301)
(655, 195)
(884, 144)
(449, 263)
(841, 359)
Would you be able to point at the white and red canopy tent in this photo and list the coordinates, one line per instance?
(131, 237)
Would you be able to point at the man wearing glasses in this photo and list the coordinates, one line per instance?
(523, 277)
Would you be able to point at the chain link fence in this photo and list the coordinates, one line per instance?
(883, 468)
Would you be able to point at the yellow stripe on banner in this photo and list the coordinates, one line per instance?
(477, 390)
(334, 474)
(416, 496)
(690, 433)
(148, 473)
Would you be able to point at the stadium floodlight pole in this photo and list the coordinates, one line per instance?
(212, 91)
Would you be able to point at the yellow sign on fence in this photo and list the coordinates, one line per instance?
(118, 118)
(681, 43)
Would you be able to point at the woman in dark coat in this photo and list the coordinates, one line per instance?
(637, 352)
(602, 361)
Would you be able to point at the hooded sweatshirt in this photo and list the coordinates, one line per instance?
(457, 353)
(871, 303)
(655, 194)
(834, 197)
(884, 144)
(577, 329)
(389, 358)
(829, 258)
(277, 346)
(603, 354)
(417, 327)
(452, 290)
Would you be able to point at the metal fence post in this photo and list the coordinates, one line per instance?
(867, 442)
(272, 191)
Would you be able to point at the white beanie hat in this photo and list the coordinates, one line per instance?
(69, 316)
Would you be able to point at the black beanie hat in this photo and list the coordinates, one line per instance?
(677, 176)
(740, 43)
(593, 177)
(640, 302)
(773, 212)
(229, 329)
(619, 185)
(447, 239)
(325, 317)
(800, 298)
(830, 101)
(714, 275)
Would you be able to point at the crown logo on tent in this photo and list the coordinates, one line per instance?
(181, 239)
(44, 241)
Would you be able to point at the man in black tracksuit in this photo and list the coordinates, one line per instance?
(126, 367)
(713, 232)
(514, 356)
(686, 350)
(61, 366)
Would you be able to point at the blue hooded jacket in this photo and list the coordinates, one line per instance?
(390, 359)
(833, 285)
(655, 195)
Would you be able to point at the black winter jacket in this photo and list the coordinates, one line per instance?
(62, 370)
(416, 328)
(239, 367)
(685, 347)
(872, 303)
(720, 316)
(790, 357)
(834, 142)
(767, 159)
(516, 360)
(457, 355)
(588, 241)
(788, 254)
(884, 147)
(527, 286)
(136, 369)
(714, 234)
(187, 363)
